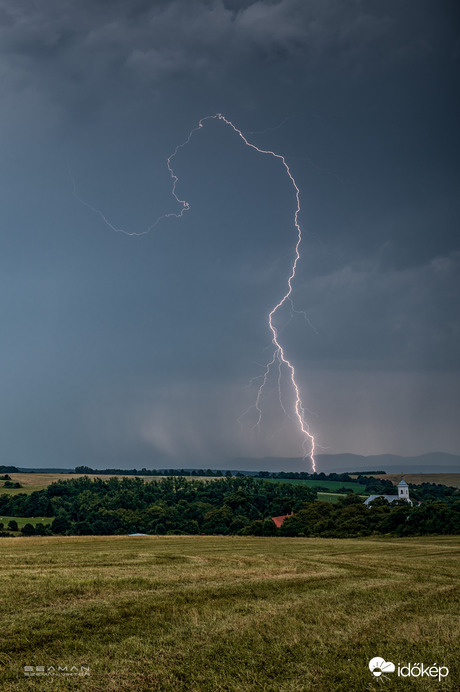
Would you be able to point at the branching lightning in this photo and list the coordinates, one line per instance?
(279, 354)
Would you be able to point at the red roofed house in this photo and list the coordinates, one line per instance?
(279, 520)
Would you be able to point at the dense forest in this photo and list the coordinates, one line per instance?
(228, 506)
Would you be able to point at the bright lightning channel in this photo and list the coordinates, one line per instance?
(308, 444)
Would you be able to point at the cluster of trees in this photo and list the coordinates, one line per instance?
(37, 504)
(422, 492)
(351, 518)
(304, 475)
(295, 475)
(239, 505)
(377, 486)
(156, 472)
(172, 505)
(433, 491)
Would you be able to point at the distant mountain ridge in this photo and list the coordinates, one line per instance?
(432, 462)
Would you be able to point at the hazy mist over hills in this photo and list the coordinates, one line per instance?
(433, 462)
(336, 463)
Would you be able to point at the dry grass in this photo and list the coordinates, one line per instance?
(38, 481)
(450, 479)
(199, 614)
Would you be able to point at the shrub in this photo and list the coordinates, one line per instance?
(60, 525)
(28, 530)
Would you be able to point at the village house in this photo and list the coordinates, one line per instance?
(280, 520)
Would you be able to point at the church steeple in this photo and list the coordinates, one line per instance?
(403, 490)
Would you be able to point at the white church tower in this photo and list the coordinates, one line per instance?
(403, 491)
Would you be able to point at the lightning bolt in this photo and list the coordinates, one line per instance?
(309, 440)
(279, 354)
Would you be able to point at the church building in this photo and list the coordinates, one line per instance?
(403, 494)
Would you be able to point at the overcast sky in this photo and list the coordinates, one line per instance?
(139, 350)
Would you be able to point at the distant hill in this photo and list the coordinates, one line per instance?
(433, 462)
(23, 469)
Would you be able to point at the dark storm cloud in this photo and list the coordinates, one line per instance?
(387, 317)
(78, 45)
(119, 349)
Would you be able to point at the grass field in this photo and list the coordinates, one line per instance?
(37, 481)
(22, 521)
(214, 614)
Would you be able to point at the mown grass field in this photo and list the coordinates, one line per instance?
(212, 614)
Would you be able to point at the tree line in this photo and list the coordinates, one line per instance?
(174, 504)
(372, 486)
(227, 506)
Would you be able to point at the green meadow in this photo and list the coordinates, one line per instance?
(245, 614)
(22, 521)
